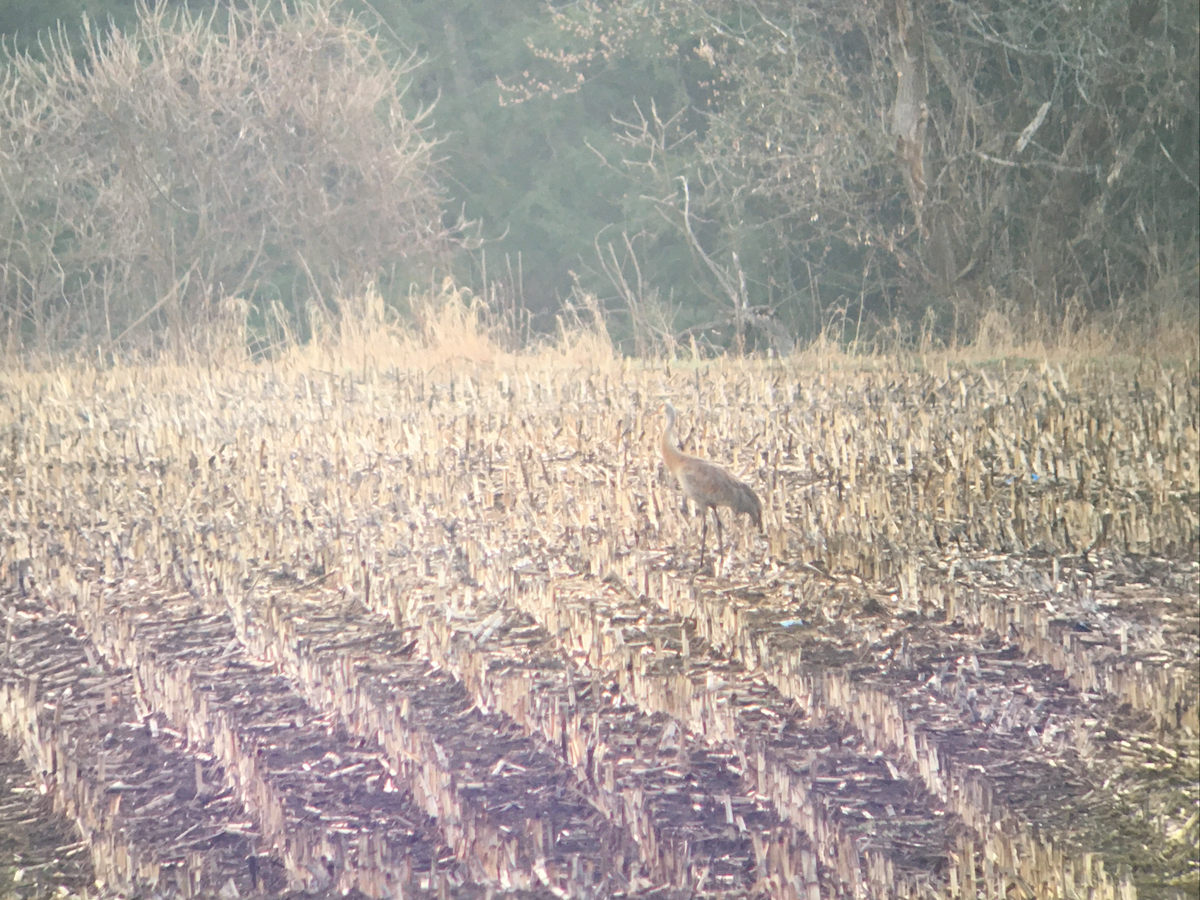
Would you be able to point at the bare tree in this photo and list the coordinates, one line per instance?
(262, 155)
(920, 156)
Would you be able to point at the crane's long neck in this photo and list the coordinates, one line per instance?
(670, 449)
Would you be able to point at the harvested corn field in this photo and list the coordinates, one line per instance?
(442, 631)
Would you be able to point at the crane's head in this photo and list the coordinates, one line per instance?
(751, 506)
(669, 412)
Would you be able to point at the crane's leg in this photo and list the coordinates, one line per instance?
(703, 533)
(720, 540)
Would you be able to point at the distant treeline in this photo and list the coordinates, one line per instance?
(718, 173)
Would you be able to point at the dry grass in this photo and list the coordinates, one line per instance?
(1163, 325)
(939, 536)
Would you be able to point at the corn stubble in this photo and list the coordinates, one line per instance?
(441, 633)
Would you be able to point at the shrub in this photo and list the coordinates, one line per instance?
(155, 174)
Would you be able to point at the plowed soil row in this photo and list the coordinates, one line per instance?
(445, 635)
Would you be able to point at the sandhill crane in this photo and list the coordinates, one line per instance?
(707, 484)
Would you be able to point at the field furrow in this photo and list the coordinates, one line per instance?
(870, 830)
(328, 803)
(42, 853)
(153, 813)
(695, 818)
(514, 812)
(446, 630)
(1006, 743)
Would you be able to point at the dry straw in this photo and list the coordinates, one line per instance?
(972, 578)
